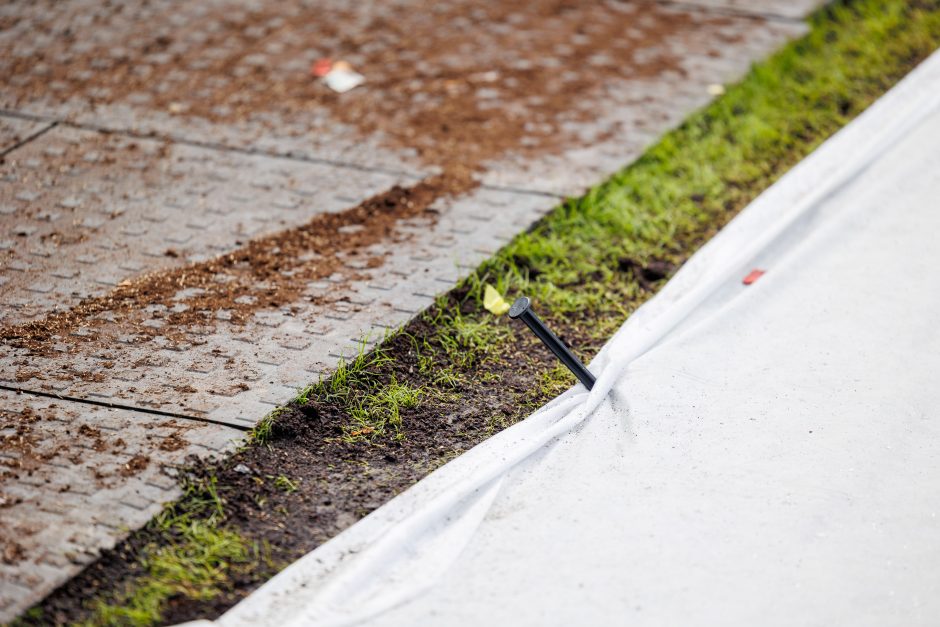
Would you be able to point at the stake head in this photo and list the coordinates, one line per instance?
(519, 307)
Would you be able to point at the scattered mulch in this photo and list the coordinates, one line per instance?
(460, 91)
(464, 84)
(23, 449)
(94, 434)
(13, 552)
(90, 432)
(460, 82)
(35, 441)
(267, 272)
(134, 465)
(173, 442)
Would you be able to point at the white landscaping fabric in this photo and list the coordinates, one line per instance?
(751, 455)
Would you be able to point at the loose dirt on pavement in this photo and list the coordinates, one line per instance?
(28, 452)
(460, 94)
(462, 82)
(268, 272)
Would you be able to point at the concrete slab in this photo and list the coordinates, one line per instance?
(75, 478)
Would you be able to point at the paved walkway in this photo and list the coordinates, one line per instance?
(163, 164)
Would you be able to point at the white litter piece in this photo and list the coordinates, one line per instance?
(751, 454)
(342, 80)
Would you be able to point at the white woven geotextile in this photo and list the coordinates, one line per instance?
(764, 454)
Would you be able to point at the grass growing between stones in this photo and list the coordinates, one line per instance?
(457, 373)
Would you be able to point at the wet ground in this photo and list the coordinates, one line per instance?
(192, 226)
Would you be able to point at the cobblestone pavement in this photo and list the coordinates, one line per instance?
(97, 412)
(86, 475)
(14, 132)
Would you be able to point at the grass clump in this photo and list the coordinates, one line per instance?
(285, 483)
(373, 413)
(373, 404)
(263, 430)
(195, 559)
(194, 566)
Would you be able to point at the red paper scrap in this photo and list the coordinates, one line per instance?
(321, 67)
(753, 276)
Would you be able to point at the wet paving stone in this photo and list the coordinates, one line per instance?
(235, 372)
(578, 88)
(76, 479)
(635, 111)
(86, 210)
(191, 71)
(13, 131)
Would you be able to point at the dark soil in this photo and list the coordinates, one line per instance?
(338, 482)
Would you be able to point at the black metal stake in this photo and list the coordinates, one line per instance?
(522, 308)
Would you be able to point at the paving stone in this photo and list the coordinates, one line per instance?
(631, 114)
(311, 339)
(107, 252)
(187, 25)
(792, 9)
(15, 130)
(53, 510)
(634, 113)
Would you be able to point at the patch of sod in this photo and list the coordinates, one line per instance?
(456, 373)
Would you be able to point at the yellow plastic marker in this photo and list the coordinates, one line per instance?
(493, 302)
